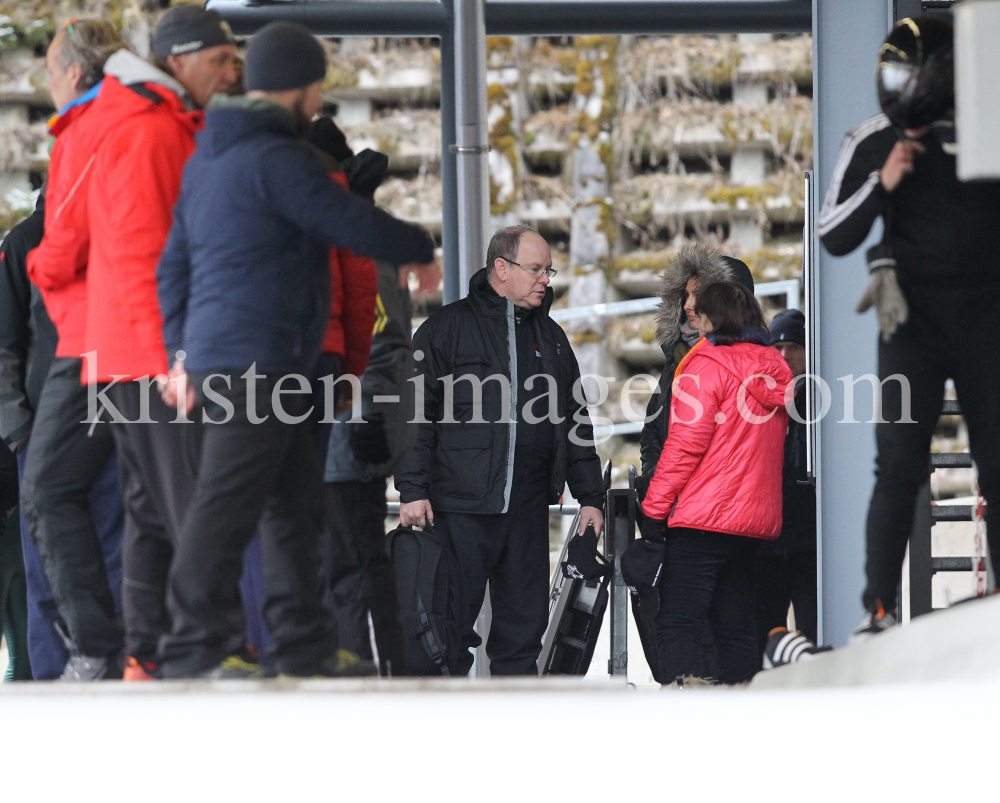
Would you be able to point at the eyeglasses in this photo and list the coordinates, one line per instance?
(536, 272)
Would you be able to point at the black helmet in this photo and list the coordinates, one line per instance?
(916, 84)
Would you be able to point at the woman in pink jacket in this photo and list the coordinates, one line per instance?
(716, 492)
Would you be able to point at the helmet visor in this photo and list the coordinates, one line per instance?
(896, 78)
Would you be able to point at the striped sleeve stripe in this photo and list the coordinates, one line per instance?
(832, 214)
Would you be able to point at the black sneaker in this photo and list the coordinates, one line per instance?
(84, 668)
(784, 647)
(342, 664)
(873, 623)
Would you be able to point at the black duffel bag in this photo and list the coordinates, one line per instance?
(429, 590)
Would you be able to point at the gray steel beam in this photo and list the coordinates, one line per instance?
(847, 35)
(525, 17)
(564, 17)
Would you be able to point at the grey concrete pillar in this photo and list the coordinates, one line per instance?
(847, 35)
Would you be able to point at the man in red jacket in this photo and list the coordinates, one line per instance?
(145, 119)
(72, 503)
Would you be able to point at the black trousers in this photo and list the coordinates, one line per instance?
(356, 574)
(158, 464)
(267, 474)
(927, 350)
(510, 551)
(707, 574)
(783, 580)
(64, 460)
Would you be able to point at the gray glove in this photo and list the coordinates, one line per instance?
(884, 293)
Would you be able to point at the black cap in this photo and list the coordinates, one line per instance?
(283, 56)
(642, 563)
(741, 273)
(188, 29)
(788, 326)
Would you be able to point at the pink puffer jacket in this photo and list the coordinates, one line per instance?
(721, 465)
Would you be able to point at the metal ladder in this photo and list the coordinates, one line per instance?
(923, 565)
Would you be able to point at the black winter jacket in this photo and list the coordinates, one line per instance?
(940, 228)
(390, 367)
(28, 337)
(798, 498)
(467, 467)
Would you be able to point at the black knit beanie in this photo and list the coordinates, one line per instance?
(188, 29)
(788, 326)
(283, 56)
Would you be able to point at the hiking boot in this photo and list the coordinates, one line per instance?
(784, 647)
(240, 666)
(139, 670)
(873, 623)
(82, 668)
(342, 664)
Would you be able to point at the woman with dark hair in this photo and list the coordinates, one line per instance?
(716, 491)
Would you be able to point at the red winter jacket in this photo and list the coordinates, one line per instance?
(353, 288)
(58, 266)
(721, 465)
(135, 183)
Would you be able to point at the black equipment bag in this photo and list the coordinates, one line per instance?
(430, 600)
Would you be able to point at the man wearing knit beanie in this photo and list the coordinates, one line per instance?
(786, 567)
(244, 285)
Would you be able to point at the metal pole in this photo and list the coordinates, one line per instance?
(472, 143)
(449, 170)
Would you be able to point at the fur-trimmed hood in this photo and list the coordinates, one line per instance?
(699, 260)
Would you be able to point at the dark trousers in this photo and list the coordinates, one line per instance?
(358, 580)
(783, 580)
(65, 462)
(159, 464)
(510, 551)
(250, 474)
(707, 574)
(927, 350)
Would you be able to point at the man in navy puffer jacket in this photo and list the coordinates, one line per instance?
(244, 285)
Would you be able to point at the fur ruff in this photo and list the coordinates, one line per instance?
(699, 260)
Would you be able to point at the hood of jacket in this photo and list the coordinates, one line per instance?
(746, 360)
(481, 292)
(229, 120)
(127, 68)
(693, 260)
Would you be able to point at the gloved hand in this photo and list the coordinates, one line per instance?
(884, 293)
(368, 442)
(652, 530)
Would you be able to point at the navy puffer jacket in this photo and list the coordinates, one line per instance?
(245, 275)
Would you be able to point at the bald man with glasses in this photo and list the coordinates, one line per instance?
(505, 428)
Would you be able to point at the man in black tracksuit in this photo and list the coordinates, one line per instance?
(945, 238)
(484, 474)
